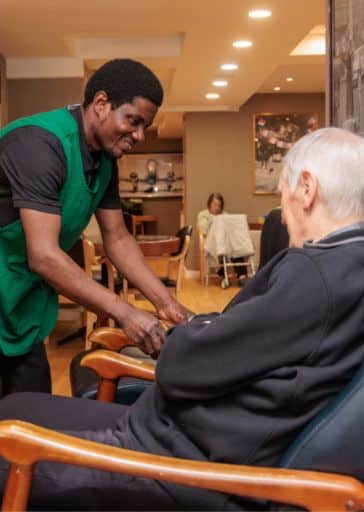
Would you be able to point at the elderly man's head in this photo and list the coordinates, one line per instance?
(322, 184)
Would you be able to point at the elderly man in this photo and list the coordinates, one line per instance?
(238, 386)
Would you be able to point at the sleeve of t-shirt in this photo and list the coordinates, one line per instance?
(111, 199)
(35, 166)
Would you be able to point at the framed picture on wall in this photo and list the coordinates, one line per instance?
(274, 135)
(347, 64)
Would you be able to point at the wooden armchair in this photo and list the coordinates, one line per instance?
(84, 382)
(24, 444)
(327, 451)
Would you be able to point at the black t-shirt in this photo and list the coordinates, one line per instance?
(33, 170)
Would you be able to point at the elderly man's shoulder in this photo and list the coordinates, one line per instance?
(299, 264)
(317, 265)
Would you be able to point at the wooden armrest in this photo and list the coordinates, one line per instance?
(113, 338)
(23, 444)
(110, 365)
(110, 338)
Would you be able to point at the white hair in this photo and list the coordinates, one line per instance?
(336, 158)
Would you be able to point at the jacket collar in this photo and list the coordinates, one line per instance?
(347, 235)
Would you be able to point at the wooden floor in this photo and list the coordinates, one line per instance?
(196, 297)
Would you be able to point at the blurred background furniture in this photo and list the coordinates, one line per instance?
(166, 256)
(255, 232)
(274, 237)
(139, 221)
(83, 253)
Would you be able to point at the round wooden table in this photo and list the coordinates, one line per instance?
(158, 245)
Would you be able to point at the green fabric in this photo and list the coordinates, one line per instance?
(28, 305)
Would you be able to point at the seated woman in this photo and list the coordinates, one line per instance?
(215, 206)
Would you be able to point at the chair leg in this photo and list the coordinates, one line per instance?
(226, 275)
(90, 321)
(252, 265)
(179, 279)
(77, 334)
(125, 289)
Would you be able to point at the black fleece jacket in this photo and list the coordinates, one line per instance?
(238, 386)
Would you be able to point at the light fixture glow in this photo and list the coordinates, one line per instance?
(314, 43)
(276, 88)
(212, 96)
(260, 13)
(220, 83)
(229, 66)
(242, 44)
(289, 79)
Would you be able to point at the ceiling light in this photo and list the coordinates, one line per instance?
(229, 66)
(242, 44)
(212, 96)
(260, 13)
(220, 83)
(289, 79)
(276, 88)
(314, 43)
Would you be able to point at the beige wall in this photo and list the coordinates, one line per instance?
(3, 92)
(153, 144)
(30, 96)
(219, 156)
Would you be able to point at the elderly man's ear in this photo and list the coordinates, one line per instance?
(309, 189)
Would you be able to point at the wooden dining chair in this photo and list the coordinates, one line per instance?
(84, 255)
(139, 221)
(169, 267)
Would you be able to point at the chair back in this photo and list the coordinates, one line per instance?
(83, 253)
(332, 441)
(76, 253)
(182, 234)
(274, 237)
(177, 259)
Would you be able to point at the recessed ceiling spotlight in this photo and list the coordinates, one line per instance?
(260, 13)
(212, 96)
(220, 83)
(229, 66)
(289, 79)
(276, 88)
(242, 44)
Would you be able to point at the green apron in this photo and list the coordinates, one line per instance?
(28, 305)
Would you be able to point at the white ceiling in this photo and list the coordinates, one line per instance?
(183, 41)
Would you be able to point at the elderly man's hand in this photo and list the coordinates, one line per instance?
(173, 312)
(144, 330)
